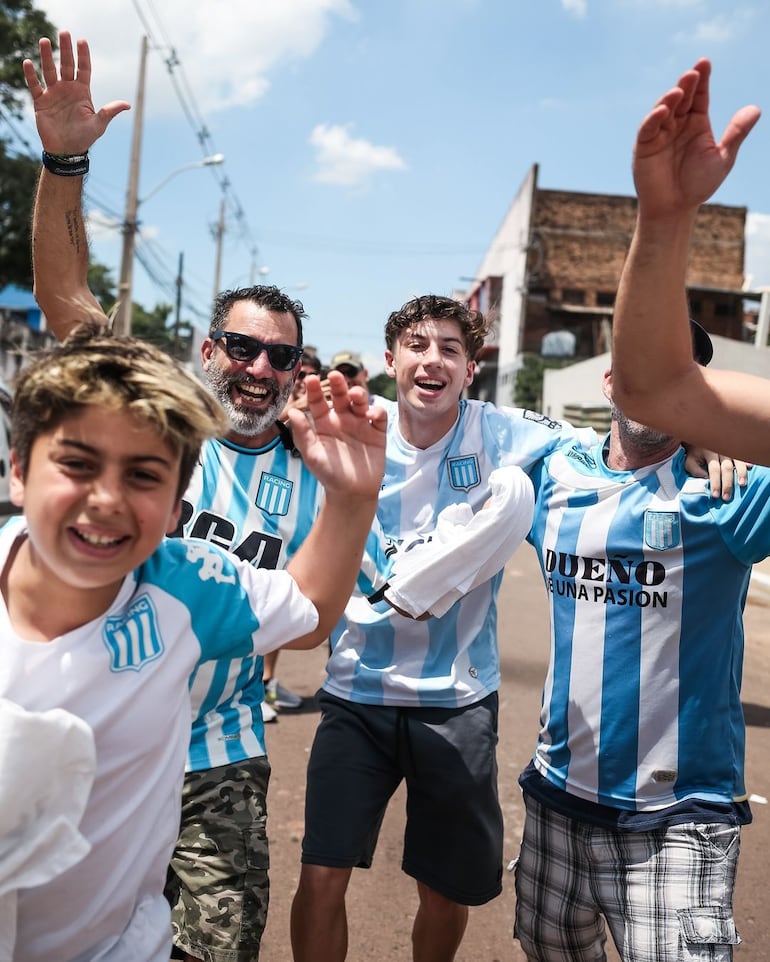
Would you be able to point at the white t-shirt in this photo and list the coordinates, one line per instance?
(126, 674)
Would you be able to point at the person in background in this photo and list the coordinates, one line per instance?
(352, 367)
(309, 364)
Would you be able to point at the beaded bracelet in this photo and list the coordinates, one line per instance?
(66, 165)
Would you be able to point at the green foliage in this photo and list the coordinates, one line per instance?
(102, 284)
(21, 26)
(383, 385)
(528, 388)
(153, 326)
(18, 176)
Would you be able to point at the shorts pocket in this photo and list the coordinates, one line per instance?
(707, 932)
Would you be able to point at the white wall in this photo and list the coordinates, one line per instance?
(581, 383)
(506, 257)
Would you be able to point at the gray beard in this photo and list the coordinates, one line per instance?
(246, 422)
(645, 440)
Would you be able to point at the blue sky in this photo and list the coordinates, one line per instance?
(374, 146)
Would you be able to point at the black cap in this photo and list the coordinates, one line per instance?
(702, 348)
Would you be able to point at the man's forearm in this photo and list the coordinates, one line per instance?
(651, 335)
(60, 254)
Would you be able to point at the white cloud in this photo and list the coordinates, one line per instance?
(348, 161)
(718, 30)
(227, 50)
(101, 226)
(577, 8)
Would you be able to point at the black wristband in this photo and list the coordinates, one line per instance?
(66, 165)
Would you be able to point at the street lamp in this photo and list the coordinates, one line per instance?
(122, 320)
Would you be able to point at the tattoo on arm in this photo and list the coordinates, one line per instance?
(74, 228)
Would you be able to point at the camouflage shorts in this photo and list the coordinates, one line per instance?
(217, 881)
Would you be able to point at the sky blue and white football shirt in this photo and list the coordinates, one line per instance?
(382, 658)
(259, 504)
(646, 577)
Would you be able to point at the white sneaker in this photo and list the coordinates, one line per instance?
(269, 714)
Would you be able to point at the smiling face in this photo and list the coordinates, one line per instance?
(99, 494)
(431, 366)
(252, 393)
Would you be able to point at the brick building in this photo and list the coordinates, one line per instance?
(549, 277)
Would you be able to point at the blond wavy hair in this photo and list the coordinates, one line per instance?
(93, 367)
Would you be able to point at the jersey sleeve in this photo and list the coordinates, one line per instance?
(236, 609)
(744, 521)
(525, 437)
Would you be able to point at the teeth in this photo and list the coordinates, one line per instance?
(431, 385)
(252, 391)
(99, 540)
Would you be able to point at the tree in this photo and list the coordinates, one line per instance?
(21, 26)
(528, 386)
(383, 385)
(18, 176)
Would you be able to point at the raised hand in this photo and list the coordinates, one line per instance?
(343, 443)
(64, 112)
(677, 162)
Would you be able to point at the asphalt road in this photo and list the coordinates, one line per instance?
(382, 900)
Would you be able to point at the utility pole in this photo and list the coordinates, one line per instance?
(122, 321)
(219, 234)
(178, 312)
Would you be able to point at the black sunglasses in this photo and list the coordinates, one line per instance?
(241, 347)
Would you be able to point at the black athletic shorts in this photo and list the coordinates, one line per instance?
(454, 832)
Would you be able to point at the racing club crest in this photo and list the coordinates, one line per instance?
(464, 472)
(133, 639)
(274, 494)
(661, 529)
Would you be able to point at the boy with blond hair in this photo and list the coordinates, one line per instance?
(105, 618)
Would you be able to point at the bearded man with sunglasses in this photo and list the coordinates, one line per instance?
(251, 495)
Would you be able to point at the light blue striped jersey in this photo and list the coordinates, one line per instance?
(126, 674)
(259, 504)
(382, 658)
(646, 577)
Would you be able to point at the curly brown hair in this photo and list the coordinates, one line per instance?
(473, 324)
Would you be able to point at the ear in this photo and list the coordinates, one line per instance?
(390, 369)
(607, 385)
(174, 518)
(207, 348)
(470, 372)
(16, 482)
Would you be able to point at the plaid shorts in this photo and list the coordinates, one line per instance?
(217, 881)
(666, 894)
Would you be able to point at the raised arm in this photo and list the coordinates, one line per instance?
(68, 125)
(343, 444)
(677, 166)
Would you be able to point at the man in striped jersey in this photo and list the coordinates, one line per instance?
(251, 494)
(417, 699)
(636, 794)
